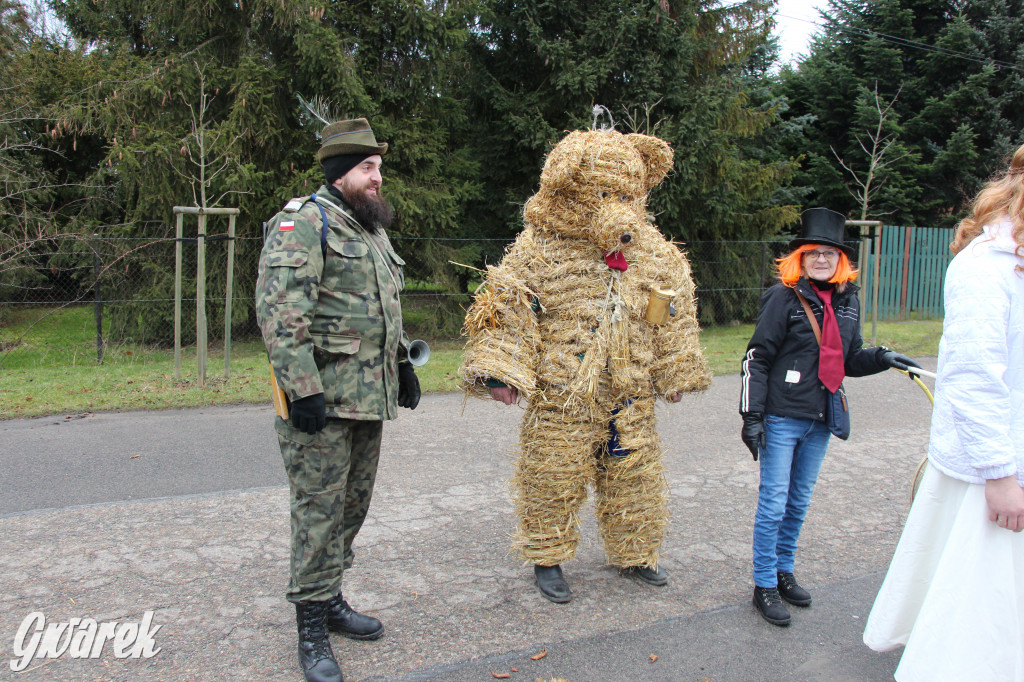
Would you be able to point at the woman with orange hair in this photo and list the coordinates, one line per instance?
(807, 339)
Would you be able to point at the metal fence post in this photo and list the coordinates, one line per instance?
(875, 285)
(764, 258)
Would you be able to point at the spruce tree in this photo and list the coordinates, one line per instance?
(154, 63)
(671, 68)
(953, 72)
(41, 223)
(19, 220)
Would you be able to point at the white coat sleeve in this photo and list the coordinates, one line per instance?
(972, 378)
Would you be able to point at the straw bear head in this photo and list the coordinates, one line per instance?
(594, 186)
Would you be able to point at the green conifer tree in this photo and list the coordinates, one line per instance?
(153, 63)
(672, 68)
(953, 70)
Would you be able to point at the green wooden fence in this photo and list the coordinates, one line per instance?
(911, 271)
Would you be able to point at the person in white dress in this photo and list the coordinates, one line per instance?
(954, 592)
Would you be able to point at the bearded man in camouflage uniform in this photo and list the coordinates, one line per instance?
(328, 306)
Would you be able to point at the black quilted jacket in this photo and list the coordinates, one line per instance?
(780, 368)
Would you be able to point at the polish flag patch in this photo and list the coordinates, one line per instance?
(286, 226)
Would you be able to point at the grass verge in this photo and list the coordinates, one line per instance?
(53, 378)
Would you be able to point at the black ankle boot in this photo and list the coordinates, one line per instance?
(651, 576)
(347, 622)
(315, 655)
(770, 606)
(552, 584)
(791, 592)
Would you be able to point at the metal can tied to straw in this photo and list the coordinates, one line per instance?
(658, 305)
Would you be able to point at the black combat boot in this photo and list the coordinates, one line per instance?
(315, 655)
(552, 584)
(347, 622)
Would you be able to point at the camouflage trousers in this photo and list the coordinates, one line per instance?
(331, 476)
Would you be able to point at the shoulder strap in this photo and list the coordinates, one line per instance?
(810, 316)
(323, 218)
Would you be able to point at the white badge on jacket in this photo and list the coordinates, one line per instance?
(792, 377)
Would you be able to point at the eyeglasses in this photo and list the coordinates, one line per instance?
(828, 254)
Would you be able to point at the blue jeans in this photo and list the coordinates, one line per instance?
(790, 461)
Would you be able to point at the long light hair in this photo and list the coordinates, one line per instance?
(1001, 198)
(791, 267)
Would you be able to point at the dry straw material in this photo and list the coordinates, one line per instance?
(555, 321)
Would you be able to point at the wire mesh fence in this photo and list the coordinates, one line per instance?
(112, 299)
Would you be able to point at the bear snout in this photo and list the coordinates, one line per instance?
(616, 226)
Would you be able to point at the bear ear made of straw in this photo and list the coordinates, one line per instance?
(657, 156)
(563, 167)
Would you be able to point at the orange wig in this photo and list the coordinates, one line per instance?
(791, 268)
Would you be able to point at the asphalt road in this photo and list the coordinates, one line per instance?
(69, 460)
(184, 512)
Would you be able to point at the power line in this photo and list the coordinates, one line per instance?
(906, 42)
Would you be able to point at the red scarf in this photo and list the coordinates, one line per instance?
(831, 369)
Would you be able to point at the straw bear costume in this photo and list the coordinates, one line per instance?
(563, 320)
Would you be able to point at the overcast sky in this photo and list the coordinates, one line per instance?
(796, 22)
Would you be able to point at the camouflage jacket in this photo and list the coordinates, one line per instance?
(332, 321)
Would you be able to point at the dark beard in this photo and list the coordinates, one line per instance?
(373, 213)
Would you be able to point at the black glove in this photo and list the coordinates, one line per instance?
(897, 360)
(309, 414)
(753, 432)
(408, 386)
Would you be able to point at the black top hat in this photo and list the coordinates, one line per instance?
(822, 226)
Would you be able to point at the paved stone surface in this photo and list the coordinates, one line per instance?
(432, 560)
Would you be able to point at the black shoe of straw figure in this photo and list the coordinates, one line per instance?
(651, 576)
(791, 592)
(769, 604)
(552, 584)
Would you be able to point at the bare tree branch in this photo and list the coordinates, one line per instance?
(869, 181)
(205, 149)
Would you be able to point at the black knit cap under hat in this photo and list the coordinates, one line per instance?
(822, 226)
(337, 166)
